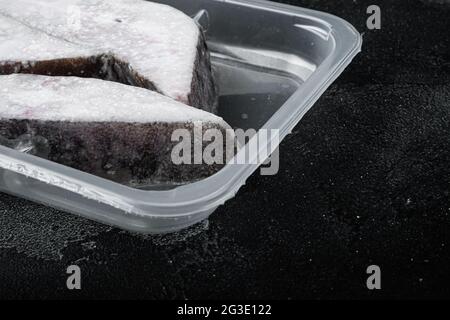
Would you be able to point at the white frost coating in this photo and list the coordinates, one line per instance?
(74, 99)
(19, 43)
(158, 41)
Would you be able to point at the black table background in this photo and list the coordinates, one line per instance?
(364, 179)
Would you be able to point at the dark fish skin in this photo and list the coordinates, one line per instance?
(204, 93)
(134, 154)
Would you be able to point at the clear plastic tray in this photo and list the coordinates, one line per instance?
(272, 62)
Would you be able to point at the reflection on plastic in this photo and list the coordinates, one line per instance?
(28, 143)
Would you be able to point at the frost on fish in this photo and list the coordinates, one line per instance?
(134, 42)
(112, 130)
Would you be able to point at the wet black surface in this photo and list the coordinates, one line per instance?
(364, 179)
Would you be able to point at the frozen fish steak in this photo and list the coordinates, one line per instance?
(109, 129)
(134, 42)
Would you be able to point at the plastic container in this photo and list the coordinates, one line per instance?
(272, 63)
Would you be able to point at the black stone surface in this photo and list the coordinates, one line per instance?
(364, 179)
